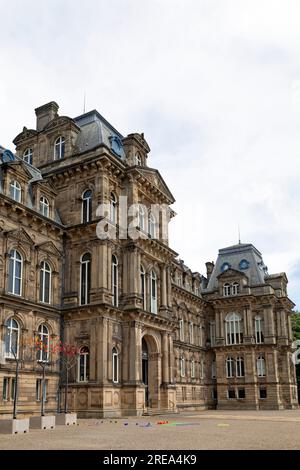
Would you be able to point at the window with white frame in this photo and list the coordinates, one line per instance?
(143, 286)
(153, 281)
(212, 332)
(44, 206)
(59, 148)
(261, 366)
(27, 156)
(240, 367)
(15, 273)
(152, 225)
(142, 221)
(86, 214)
(113, 208)
(85, 279)
(41, 387)
(235, 288)
(227, 289)
(5, 389)
(234, 330)
(84, 364)
(115, 365)
(45, 283)
(193, 369)
(191, 332)
(181, 330)
(15, 191)
(115, 280)
(229, 367)
(12, 338)
(43, 344)
(259, 336)
(182, 366)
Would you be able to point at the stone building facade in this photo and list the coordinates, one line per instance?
(150, 334)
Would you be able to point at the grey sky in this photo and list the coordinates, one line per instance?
(215, 86)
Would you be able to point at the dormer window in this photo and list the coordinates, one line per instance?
(44, 206)
(235, 290)
(59, 148)
(227, 289)
(15, 190)
(27, 156)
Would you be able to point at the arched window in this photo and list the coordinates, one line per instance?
(27, 156)
(240, 368)
(138, 159)
(191, 332)
(84, 364)
(15, 190)
(44, 206)
(235, 288)
(85, 281)
(202, 369)
(261, 366)
(230, 367)
(142, 217)
(234, 333)
(153, 290)
(182, 366)
(115, 366)
(43, 344)
(45, 283)
(152, 226)
(15, 273)
(181, 330)
(115, 280)
(86, 214)
(143, 285)
(12, 338)
(192, 369)
(227, 289)
(259, 336)
(59, 148)
(113, 208)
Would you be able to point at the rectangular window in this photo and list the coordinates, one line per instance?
(5, 388)
(193, 369)
(241, 393)
(200, 336)
(262, 393)
(213, 370)
(202, 369)
(231, 393)
(181, 330)
(191, 331)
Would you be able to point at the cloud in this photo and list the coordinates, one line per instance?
(214, 85)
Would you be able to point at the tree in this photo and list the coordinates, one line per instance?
(296, 324)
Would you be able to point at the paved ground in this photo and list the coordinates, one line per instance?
(202, 430)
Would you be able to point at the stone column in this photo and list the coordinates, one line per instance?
(165, 358)
(135, 352)
(102, 355)
(171, 359)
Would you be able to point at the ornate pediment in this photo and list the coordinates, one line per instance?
(230, 274)
(25, 134)
(157, 180)
(20, 235)
(59, 122)
(49, 247)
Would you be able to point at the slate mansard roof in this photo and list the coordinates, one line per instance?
(243, 257)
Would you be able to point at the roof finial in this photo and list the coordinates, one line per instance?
(239, 234)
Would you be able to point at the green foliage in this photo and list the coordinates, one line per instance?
(296, 324)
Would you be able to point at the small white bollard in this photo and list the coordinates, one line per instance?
(14, 426)
(66, 419)
(42, 422)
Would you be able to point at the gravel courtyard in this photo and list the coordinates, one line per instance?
(202, 430)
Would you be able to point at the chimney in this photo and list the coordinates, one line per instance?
(45, 114)
(209, 269)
